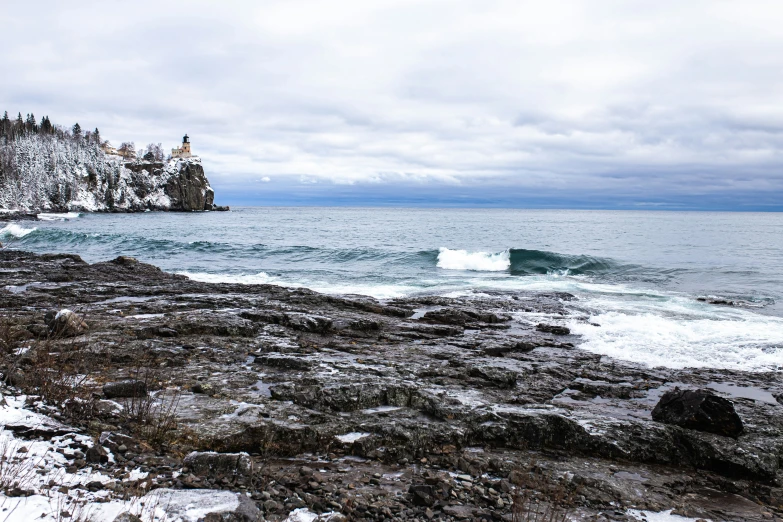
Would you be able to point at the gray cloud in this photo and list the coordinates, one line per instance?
(627, 98)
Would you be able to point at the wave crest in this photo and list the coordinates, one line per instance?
(525, 262)
(16, 231)
(519, 261)
(481, 261)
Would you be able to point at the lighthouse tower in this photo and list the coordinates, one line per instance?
(184, 150)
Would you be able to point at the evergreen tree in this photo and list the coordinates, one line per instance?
(30, 124)
(96, 135)
(77, 130)
(5, 126)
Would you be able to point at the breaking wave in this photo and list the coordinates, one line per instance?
(519, 261)
(481, 261)
(16, 231)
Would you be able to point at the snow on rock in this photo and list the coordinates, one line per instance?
(352, 437)
(663, 516)
(305, 515)
(52, 174)
(15, 418)
(40, 465)
(195, 504)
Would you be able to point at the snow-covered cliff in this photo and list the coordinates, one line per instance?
(47, 173)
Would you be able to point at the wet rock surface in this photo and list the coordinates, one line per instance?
(421, 408)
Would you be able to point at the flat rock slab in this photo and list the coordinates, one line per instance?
(213, 464)
(202, 505)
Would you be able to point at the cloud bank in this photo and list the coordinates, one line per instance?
(501, 103)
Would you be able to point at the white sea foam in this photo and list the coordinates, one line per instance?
(376, 291)
(58, 217)
(481, 261)
(679, 332)
(261, 278)
(641, 325)
(15, 230)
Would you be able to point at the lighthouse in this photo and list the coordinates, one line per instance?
(184, 150)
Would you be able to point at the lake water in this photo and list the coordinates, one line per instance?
(639, 275)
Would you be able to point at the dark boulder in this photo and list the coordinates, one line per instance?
(422, 495)
(127, 388)
(125, 260)
(97, 455)
(553, 329)
(699, 410)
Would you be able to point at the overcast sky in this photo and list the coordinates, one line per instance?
(593, 103)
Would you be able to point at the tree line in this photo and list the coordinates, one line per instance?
(13, 129)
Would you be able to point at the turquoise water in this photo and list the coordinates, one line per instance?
(638, 274)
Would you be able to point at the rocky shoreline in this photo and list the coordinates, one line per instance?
(428, 408)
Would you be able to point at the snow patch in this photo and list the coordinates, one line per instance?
(192, 505)
(305, 515)
(352, 437)
(663, 516)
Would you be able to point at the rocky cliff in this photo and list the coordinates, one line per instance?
(44, 173)
(179, 185)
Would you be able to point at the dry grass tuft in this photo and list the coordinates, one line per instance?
(152, 417)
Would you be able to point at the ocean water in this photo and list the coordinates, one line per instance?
(639, 275)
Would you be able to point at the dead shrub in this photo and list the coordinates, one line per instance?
(152, 417)
(59, 377)
(17, 470)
